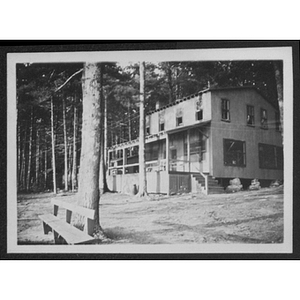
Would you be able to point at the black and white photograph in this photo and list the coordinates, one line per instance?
(151, 151)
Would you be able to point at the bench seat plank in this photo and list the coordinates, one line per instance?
(86, 212)
(71, 234)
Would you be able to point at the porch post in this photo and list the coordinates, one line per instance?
(188, 150)
(124, 159)
(108, 162)
(167, 164)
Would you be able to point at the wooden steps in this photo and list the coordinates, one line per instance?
(213, 185)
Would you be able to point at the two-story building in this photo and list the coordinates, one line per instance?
(200, 142)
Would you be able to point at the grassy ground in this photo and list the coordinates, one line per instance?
(243, 217)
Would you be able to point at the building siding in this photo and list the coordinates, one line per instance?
(161, 180)
(237, 129)
(188, 109)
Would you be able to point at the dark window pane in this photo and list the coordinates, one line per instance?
(270, 157)
(199, 115)
(264, 118)
(234, 153)
(250, 115)
(162, 127)
(178, 121)
(225, 110)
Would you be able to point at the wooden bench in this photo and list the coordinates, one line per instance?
(63, 231)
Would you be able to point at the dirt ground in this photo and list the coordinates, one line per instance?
(243, 217)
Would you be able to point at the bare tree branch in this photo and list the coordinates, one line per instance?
(60, 87)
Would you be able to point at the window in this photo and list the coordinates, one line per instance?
(119, 154)
(199, 111)
(225, 110)
(270, 157)
(197, 142)
(199, 115)
(161, 126)
(151, 151)
(111, 155)
(147, 125)
(250, 115)
(132, 154)
(197, 145)
(161, 120)
(263, 118)
(173, 154)
(234, 153)
(185, 150)
(179, 119)
(277, 121)
(133, 169)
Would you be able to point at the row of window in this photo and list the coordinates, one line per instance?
(179, 121)
(250, 119)
(270, 157)
(225, 116)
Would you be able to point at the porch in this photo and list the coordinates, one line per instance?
(171, 159)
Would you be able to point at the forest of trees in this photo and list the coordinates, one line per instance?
(50, 108)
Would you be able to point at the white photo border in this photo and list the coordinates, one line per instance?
(260, 53)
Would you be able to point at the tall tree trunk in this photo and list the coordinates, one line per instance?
(142, 166)
(18, 155)
(74, 168)
(170, 82)
(53, 148)
(177, 86)
(111, 137)
(103, 182)
(23, 164)
(70, 164)
(37, 159)
(88, 190)
(29, 153)
(129, 120)
(105, 129)
(22, 172)
(65, 145)
(45, 164)
(279, 86)
(102, 177)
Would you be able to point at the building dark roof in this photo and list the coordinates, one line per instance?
(211, 90)
(177, 101)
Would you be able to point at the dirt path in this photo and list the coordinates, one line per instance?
(244, 217)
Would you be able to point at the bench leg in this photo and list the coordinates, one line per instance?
(58, 239)
(47, 228)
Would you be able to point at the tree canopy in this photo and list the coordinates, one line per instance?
(165, 82)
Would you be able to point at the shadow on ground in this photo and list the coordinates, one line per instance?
(121, 235)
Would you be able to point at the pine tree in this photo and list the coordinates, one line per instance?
(88, 190)
(142, 166)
